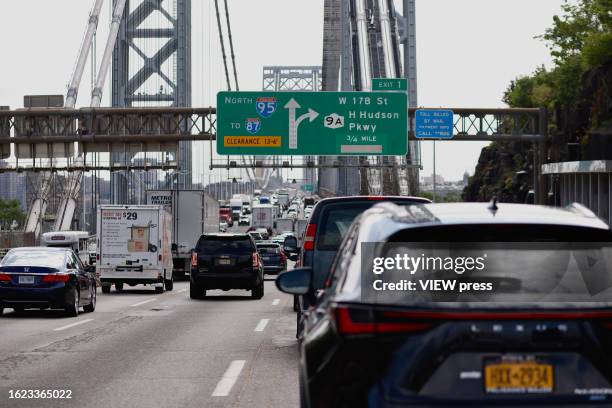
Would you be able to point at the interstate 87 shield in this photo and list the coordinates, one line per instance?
(312, 123)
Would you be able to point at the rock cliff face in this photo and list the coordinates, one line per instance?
(578, 131)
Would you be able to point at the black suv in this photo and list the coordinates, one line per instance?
(328, 224)
(226, 261)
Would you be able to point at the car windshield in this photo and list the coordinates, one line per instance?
(268, 249)
(216, 244)
(49, 259)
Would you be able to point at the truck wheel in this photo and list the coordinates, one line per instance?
(258, 291)
(1, 311)
(106, 288)
(72, 309)
(169, 283)
(195, 292)
(119, 286)
(159, 289)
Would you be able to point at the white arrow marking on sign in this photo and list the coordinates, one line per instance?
(292, 105)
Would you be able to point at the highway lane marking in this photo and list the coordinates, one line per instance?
(73, 324)
(261, 325)
(275, 302)
(143, 302)
(225, 384)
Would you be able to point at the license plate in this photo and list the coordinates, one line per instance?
(26, 279)
(224, 262)
(265, 258)
(522, 376)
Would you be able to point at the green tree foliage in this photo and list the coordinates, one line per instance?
(580, 42)
(10, 211)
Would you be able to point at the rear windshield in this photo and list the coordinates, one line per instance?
(35, 258)
(337, 218)
(224, 244)
(490, 265)
(268, 249)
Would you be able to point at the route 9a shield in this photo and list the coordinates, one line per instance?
(266, 106)
(252, 125)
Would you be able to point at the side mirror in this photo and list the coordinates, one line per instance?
(295, 282)
(293, 257)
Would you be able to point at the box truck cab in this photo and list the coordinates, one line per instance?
(134, 246)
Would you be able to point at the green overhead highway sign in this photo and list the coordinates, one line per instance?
(312, 123)
(307, 187)
(389, 84)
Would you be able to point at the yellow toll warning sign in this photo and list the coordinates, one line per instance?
(252, 141)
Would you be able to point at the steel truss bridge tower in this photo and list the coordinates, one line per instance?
(152, 67)
(362, 40)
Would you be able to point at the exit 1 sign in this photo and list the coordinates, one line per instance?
(389, 84)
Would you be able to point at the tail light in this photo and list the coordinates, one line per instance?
(194, 259)
(97, 257)
(255, 260)
(351, 320)
(5, 277)
(55, 278)
(309, 237)
(283, 257)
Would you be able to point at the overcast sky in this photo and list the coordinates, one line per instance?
(468, 51)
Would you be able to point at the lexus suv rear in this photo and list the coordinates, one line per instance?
(461, 305)
(226, 261)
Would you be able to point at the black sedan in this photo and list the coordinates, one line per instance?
(42, 278)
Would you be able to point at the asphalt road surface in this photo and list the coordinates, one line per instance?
(140, 349)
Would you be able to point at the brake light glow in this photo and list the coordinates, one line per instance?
(309, 237)
(5, 277)
(376, 198)
(194, 259)
(348, 324)
(255, 260)
(55, 278)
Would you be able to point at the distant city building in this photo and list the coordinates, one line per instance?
(13, 186)
(430, 179)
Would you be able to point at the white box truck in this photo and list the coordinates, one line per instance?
(262, 216)
(193, 213)
(134, 246)
(284, 224)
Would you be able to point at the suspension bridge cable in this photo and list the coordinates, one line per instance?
(227, 78)
(231, 43)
